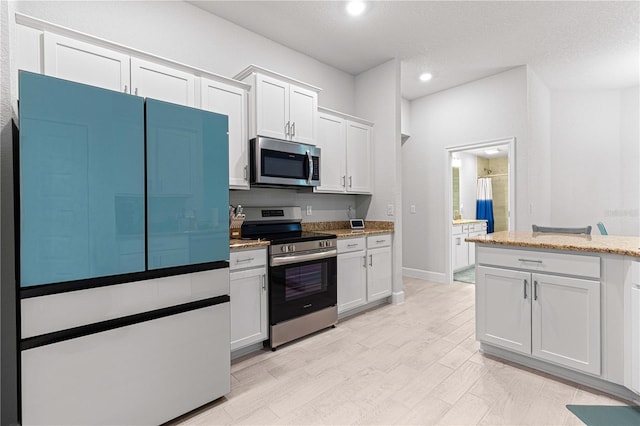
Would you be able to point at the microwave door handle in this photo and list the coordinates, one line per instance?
(310, 166)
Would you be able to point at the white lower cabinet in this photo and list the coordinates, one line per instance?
(503, 308)
(352, 280)
(550, 317)
(364, 271)
(248, 291)
(633, 328)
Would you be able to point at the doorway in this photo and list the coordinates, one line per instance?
(480, 176)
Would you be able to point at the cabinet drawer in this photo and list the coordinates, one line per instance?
(247, 259)
(544, 262)
(379, 241)
(351, 244)
(476, 227)
(456, 230)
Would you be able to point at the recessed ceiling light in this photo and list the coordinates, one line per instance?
(425, 76)
(492, 151)
(356, 8)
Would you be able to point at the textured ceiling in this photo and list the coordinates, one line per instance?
(569, 44)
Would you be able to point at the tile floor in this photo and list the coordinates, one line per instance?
(414, 364)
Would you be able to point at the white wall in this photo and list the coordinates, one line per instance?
(405, 118)
(539, 178)
(491, 108)
(184, 33)
(594, 166)
(468, 180)
(378, 100)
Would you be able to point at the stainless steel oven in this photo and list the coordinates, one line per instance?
(303, 291)
(278, 162)
(303, 295)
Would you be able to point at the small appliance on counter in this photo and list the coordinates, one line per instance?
(303, 295)
(357, 225)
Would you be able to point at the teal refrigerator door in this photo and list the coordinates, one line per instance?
(187, 185)
(81, 181)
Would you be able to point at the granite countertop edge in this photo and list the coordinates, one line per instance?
(619, 245)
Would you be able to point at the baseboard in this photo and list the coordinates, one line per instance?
(397, 298)
(563, 373)
(435, 277)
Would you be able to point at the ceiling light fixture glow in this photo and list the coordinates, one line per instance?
(356, 8)
(425, 76)
(492, 151)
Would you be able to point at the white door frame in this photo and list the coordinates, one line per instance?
(511, 211)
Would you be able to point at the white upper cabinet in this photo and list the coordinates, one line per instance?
(152, 80)
(231, 101)
(272, 107)
(281, 107)
(359, 158)
(333, 161)
(303, 113)
(85, 63)
(346, 160)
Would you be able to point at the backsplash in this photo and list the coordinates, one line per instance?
(324, 207)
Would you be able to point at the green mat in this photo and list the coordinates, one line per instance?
(606, 415)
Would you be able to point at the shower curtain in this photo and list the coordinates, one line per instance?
(484, 203)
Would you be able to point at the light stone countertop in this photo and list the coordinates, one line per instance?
(349, 233)
(243, 244)
(466, 221)
(622, 245)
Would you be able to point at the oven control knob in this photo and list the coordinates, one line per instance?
(292, 248)
(284, 249)
(328, 243)
(321, 243)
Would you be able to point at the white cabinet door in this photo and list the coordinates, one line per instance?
(248, 292)
(378, 273)
(503, 308)
(272, 109)
(152, 80)
(232, 102)
(352, 280)
(331, 140)
(472, 247)
(303, 112)
(566, 321)
(460, 252)
(359, 179)
(85, 63)
(635, 339)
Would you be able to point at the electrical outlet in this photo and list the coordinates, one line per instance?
(389, 209)
(309, 211)
(412, 209)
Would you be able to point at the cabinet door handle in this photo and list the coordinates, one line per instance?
(264, 282)
(350, 181)
(457, 241)
(535, 290)
(379, 241)
(344, 181)
(286, 128)
(352, 245)
(248, 259)
(126, 88)
(370, 260)
(530, 260)
(293, 129)
(364, 265)
(525, 289)
(136, 91)
(245, 172)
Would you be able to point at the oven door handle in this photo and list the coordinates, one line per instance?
(297, 258)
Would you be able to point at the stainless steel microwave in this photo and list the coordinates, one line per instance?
(278, 162)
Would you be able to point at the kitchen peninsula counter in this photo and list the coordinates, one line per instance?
(564, 304)
(612, 244)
